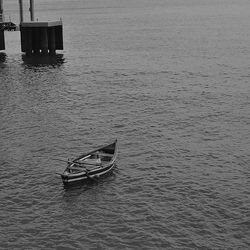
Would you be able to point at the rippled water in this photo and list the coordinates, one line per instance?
(168, 79)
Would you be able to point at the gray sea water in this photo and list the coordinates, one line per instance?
(170, 79)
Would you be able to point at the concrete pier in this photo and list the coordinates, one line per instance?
(41, 37)
(36, 37)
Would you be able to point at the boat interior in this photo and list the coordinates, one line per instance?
(97, 156)
(93, 160)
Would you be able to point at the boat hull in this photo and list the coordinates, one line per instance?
(93, 174)
(87, 176)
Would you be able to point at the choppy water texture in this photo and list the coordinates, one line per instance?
(168, 79)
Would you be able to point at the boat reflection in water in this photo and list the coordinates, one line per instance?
(43, 60)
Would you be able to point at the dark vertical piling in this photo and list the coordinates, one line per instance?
(59, 37)
(52, 40)
(44, 40)
(2, 42)
(35, 41)
(1, 11)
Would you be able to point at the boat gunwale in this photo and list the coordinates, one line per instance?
(97, 149)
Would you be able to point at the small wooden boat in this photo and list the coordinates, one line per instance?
(91, 165)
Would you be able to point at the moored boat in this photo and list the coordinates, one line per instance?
(91, 165)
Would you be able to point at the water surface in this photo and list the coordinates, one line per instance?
(169, 80)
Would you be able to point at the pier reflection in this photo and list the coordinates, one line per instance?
(2, 57)
(43, 60)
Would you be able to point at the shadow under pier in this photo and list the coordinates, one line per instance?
(43, 60)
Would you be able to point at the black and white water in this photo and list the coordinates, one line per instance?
(170, 79)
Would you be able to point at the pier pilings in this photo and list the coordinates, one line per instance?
(41, 37)
(2, 42)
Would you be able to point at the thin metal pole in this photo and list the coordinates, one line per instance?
(21, 10)
(1, 11)
(32, 10)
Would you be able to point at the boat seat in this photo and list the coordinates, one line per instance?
(105, 154)
(77, 168)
